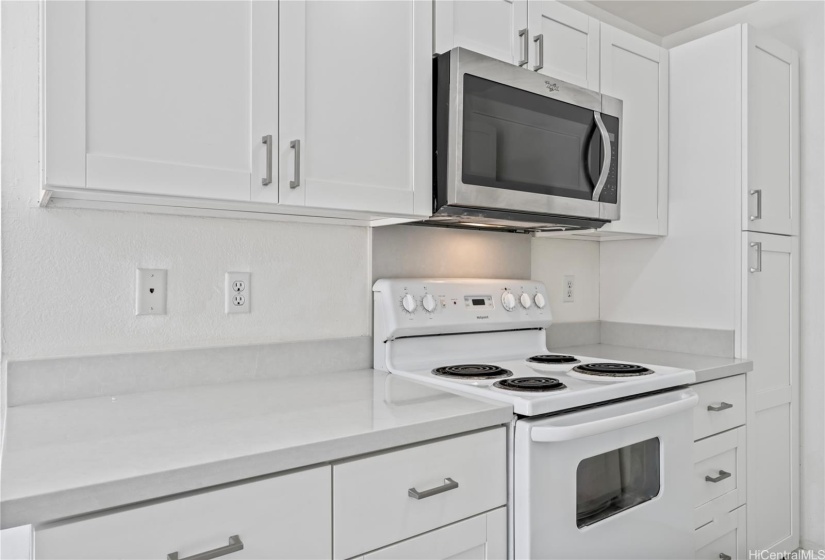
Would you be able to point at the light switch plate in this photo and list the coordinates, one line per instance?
(238, 292)
(150, 292)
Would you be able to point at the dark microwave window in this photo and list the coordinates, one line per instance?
(616, 481)
(517, 140)
(478, 302)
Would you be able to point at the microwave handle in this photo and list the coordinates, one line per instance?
(608, 151)
(668, 403)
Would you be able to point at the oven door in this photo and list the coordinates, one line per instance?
(609, 482)
(519, 141)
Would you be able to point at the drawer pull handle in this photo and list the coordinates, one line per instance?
(723, 406)
(449, 484)
(724, 556)
(722, 476)
(235, 544)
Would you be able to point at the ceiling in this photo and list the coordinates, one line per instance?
(664, 17)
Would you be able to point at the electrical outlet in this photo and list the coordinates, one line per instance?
(569, 289)
(238, 292)
(150, 292)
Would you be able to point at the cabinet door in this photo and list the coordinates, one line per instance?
(723, 538)
(488, 27)
(771, 123)
(479, 538)
(636, 72)
(564, 43)
(356, 105)
(157, 97)
(771, 340)
(286, 517)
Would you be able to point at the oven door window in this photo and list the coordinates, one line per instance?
(518, 140)
(617, 480)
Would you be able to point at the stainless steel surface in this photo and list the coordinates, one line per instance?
(235, 544)
(449, 484)
(267, 140)
(722, 476)
(539, 40)
(597, 192)
(758, 194)
(465, 195)
(522, 35)
(296, 145)
(719, 408)
(758, 246)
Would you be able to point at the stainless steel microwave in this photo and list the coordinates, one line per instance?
(519, 150)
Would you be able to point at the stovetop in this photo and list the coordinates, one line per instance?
(578, 389)
(478, 335)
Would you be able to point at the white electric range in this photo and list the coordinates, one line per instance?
(601, 451)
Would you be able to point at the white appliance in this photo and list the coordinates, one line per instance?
(601, 457)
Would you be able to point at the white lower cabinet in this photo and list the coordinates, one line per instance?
(285, 517)
(442, 499)
(723, 538)
(386, 498)
(720, 468)
(483, 537)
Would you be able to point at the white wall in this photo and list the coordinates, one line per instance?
(552, 260)
(416, 251)
(68, 275)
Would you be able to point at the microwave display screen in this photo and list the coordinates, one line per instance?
(518, 140)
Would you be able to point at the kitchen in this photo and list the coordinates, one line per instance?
(118, 425)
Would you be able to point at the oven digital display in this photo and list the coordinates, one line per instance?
(478, 302)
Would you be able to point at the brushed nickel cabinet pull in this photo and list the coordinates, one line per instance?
(758, 246)
(719, 408)
(296, 145)
(758, 194)
(235, 544)
(539, 40)
(268, 141)
(449, 484)
(722, 476)
(522, 33)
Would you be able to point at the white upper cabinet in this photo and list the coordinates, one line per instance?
(564, 43)
(636, 71)
(495, 28)
(157, 97)
(356, 105)
(771, 134)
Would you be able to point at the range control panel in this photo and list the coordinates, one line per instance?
(417, 306)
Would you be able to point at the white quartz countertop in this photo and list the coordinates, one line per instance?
(73, 457)
(707, 368)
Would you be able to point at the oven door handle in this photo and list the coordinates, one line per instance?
(608, 156)
(562, 430)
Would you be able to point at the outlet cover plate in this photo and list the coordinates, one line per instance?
(238, 292)
(150, 291)
(568, 296)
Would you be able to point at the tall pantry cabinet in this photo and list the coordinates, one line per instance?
(739, 90)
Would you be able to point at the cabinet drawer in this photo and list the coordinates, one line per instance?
(373, 502)
(722, 459)
(723, 538)
(281, 517)
(721, 406)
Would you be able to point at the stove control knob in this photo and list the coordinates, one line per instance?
(525, 301)
(540, 302)
(508, 301)
(429, 303)
(409, 304)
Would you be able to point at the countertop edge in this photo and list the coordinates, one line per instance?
(85, 500)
